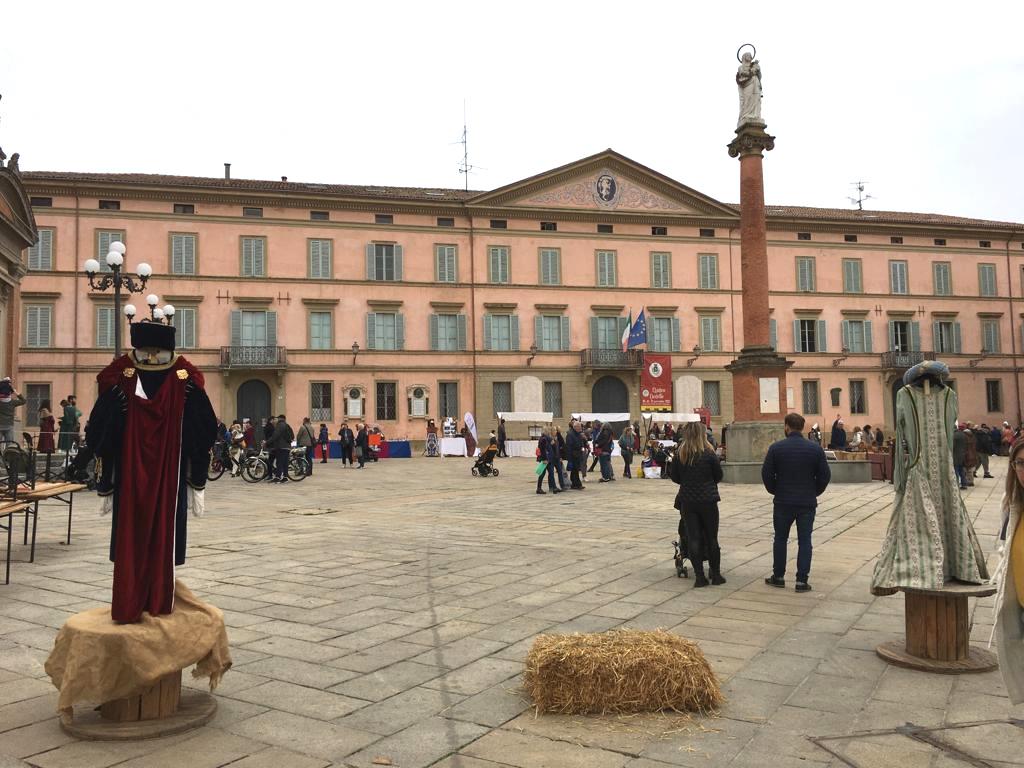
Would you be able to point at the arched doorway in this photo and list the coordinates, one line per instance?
(609, 395)
(253, 401)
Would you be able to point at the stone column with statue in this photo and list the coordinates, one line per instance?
(759, 372)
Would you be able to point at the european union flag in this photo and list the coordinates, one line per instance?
(638, 333)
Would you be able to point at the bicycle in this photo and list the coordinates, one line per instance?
(220, 460)
(257, 466)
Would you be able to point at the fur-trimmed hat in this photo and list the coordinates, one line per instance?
(146, 333)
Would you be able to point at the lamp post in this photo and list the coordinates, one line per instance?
(118, 280)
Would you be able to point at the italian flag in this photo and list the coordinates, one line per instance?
(625, 333)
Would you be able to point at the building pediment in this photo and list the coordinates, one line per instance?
(605, 182)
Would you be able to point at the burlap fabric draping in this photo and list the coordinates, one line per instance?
(95, 660)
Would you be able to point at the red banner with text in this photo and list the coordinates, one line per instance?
(656, 383)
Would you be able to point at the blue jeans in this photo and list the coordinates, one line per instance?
(309, 458)
(960, 474)
(783, 519)
(605, 460)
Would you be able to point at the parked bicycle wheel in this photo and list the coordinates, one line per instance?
(254, 470)
(215, 470)
(297, 469)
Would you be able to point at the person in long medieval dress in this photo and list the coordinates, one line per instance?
(748, 80)
(930, 539)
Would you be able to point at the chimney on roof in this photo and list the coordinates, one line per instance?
(227, 171)
(284, 178)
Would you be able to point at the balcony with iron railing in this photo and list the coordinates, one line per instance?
(904, 360)
(253, 357)
(611, 358)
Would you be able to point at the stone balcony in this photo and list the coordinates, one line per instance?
(630, 359)
(253, 357)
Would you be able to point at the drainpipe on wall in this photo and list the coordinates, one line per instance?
(472, 313)
(1013, 334)
(74, 288)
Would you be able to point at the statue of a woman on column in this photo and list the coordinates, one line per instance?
(748, 80)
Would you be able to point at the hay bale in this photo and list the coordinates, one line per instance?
(622, 670)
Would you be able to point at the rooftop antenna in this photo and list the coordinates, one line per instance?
(861, 197)
(465, 168)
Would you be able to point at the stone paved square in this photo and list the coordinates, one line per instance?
(394, 628)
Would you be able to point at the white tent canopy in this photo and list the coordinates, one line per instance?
(672, 417)
(602, 417)
(536, 416)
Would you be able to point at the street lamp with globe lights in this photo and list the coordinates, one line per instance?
(118, 281)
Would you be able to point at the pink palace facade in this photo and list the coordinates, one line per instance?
(392, 305)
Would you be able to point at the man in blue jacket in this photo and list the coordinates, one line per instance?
(796, 473)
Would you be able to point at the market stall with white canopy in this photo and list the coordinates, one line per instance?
(525, 448)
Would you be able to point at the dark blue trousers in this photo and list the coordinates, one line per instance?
(783, 518)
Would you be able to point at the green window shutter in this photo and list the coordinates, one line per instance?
(271, 329)
(846, 334)
(247, 257)
(514, 334)
(32, 327)
(712, 271)
(565, 334)
(177, 254)
(185, 323)
(622, 325)
(915, 336)
(538, 331)
(796, 336)
(461, 327)
(45, 326)
(892, 335)
(314, 258)
(677, 341)
(398, 262)
(433, 333)
(103, 327)
(593, 333)
(371, 271)
(822, 346)
(371, 330)
(956, 338)
(936, 336)
(40, 255)
(399, 330)
(488, 339)
(867, 336)
(236, 327)
(773, 333)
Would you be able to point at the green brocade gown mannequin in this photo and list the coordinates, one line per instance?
(930, 539)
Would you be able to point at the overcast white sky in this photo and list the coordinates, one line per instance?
(923, 100)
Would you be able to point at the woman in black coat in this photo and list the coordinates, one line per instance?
(697, 471)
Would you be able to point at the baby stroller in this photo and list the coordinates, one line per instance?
(681, 556)
(484, 464)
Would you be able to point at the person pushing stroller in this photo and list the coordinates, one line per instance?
(696, 470)
(484, 464)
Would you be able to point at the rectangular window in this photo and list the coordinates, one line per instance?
(809, 335)
(384, 262)
(319, 216)
(805, 277)
(984, 243)
(849, 238)
(605, 229)
(105, 327)
(445, 221)
(811, 401)
(609, 332)
(994, 395)
(104, 237)
(183, 254)
(254, 257)
(707, 233)
(898, 277)
(553, 398)
(661, 270)
(185, 323)
(499, 332)
(896, 240)
(858, 396)
(660, 334)
(946, 336)
(383, 218)
(320, 335)
(550, 266)
(184, 208)
(448, 394)
(40, 255)
(711, 333)
(497, 264)
(987, 279)
(256, 328)
(708, 265)
(320, 402)
(252, 213)
(712, 392)
(857, 335)
(319, 258)
(38, 325)
(35, 396)
(499, 224)
(384, 331)
(501, 396)
(942, 278)
(990, 341)
(445, 264)
(387, 401)
(110, 205)
(549, 226)
(803, 235)
(41, 202)
(448, 332)
(659, 231)
(551, 333)
(853, 280)
(607, 276)
(940, 241)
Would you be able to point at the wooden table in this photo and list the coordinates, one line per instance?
(938, 631)
(63, 493)
(7, 511)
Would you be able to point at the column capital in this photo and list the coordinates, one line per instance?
(751, 139)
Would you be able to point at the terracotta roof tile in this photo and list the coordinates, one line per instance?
(883, 217)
